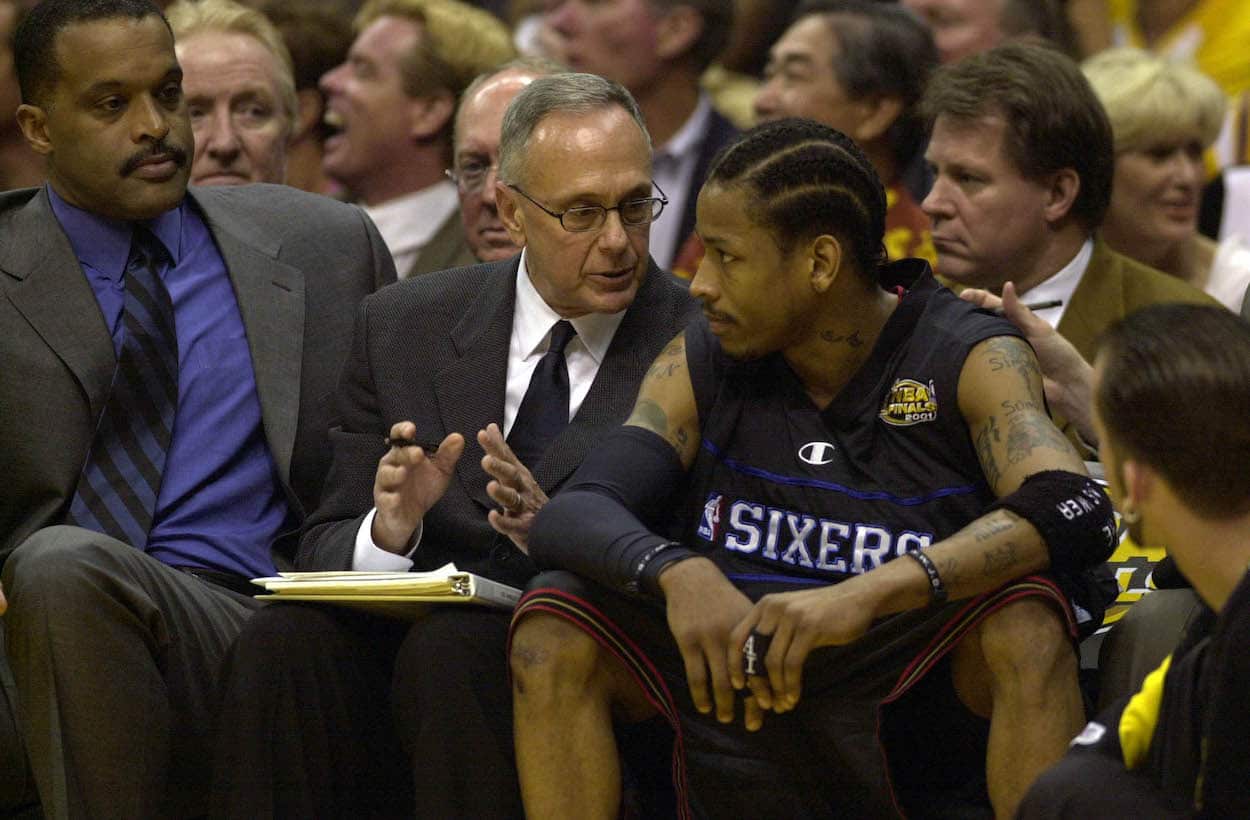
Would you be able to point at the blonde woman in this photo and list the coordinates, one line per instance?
(1164, 115)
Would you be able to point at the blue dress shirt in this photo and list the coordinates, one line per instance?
(221, 502)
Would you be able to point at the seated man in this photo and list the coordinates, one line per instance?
(325, 711)
(831, 414)
(240, 91)
(167, 355)
(1177, 747)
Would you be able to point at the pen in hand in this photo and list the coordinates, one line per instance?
(1049, 303)
(430, 449)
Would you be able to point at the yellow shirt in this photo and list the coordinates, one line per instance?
(1214, 35)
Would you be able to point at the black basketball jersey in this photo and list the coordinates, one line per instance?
(782, 491)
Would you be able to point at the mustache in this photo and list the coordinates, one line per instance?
(162, 148)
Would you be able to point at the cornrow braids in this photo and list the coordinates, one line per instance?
(805, 179)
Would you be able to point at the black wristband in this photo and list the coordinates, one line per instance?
(646, 570)
(937, 590)
(1072, 514)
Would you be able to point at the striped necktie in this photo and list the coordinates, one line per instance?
(120, 482)
(544, 412)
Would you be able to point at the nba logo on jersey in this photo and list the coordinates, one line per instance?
(709, 525)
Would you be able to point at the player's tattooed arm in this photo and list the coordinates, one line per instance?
(1000, 395)
(666, 404)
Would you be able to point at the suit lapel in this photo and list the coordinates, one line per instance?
(612, 393)
(53, 293)
(471, 389)
(1098, 298)
(446, 249)
(271, 300)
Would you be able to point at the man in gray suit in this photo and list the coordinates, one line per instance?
(308, 728)
(168, 358)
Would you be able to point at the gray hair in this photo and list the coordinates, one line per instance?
(558, 94)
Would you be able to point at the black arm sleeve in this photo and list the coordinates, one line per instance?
(601, 524)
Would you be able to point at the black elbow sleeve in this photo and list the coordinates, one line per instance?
(1073, 515)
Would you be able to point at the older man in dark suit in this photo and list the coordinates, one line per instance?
(545, 349)
(168, 358)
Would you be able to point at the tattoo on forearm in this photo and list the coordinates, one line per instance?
(986, 440)
(985, 530)
(1000, 559)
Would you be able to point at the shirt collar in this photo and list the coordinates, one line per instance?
(409, 222)
(103, 244)
(1061, 286)
(533, 319)
(690, 134)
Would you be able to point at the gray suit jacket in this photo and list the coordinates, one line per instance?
(434, 350)
(299, 264)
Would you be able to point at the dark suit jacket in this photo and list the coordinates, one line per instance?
(299, 264)
(434, 350)
(448, 248)
(720, 132)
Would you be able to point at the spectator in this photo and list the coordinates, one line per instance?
(166, 357)
(328, 713)
(965, 27)
(1177, 748)
(860, 67)
(239, 89)
(392, 105)
(476, 150)
(318, 34)
(657, 49)
(20, 167)
(1022, 153)
(1164, 115)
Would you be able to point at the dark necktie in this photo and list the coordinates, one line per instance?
(544, 412)
(122, 477)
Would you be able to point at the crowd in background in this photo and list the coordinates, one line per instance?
(1066, 162)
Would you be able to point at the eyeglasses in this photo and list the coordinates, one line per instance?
(471, 176)
(634, 212)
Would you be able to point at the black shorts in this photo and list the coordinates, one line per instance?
(828, 757)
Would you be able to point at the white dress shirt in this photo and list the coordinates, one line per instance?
(672, 167)
(1061, 286)
(408, 223)
(532, 321)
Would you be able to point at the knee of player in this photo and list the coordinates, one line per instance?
(1027, 650)
(550, 657)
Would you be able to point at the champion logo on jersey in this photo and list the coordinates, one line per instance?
(816, 453)
(909, 402)
(709, 525)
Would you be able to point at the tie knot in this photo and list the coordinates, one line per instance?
(146, 249)
(561, 334)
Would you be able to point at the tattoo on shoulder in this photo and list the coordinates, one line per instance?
(649, 414)
(1027, 432)
(1007, 353)
(670, 361)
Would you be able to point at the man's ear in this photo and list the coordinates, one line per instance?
(677, 30)
(512, 217)
(1063, 187)
(311, 110)
(825, 255)
(33, 121)
(878, 113)
(1139, 482)
(430, 114)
